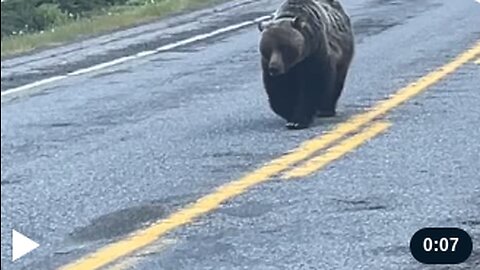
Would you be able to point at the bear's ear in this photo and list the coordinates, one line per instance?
(298, 23)
(262, 25)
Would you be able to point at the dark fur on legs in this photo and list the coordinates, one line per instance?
(294, 97)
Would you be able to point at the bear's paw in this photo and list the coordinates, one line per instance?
(295, 126)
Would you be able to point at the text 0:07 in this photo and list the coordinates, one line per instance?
(436, 245)
(443, 244)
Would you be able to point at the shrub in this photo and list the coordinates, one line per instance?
(49, 15)
(35, 15)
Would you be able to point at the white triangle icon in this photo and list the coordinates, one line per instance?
(21, 245)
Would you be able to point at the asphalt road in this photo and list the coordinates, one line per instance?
(91, 158)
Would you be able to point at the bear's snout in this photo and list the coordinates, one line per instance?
(274, 70)
(275, 67)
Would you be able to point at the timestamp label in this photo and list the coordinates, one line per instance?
(441, 245)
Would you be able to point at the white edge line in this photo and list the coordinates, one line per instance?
(135, 56)
(32, 85)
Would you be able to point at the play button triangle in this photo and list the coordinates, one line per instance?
(21, 245)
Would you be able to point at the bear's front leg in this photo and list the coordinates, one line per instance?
(304, 111)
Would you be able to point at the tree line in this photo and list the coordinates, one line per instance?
(26, 16)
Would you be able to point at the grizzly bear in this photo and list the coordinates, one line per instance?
(306, 50)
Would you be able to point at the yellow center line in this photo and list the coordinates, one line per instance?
(337, 151)
(131, 261)
(146, 236)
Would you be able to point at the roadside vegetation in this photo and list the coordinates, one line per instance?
(33, 24)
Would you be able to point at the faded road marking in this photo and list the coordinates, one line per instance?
(337, 151)
(117, 61)
(186, 215)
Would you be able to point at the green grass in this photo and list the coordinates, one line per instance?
(120, 17)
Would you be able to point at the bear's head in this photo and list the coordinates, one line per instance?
(282, 44)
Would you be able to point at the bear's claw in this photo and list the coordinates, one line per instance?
(294, 125)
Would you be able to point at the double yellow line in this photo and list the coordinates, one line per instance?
(144, 237)
(350, 143)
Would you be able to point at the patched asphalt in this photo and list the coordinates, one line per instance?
(89, 159)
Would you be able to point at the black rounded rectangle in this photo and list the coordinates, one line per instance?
(441, 245)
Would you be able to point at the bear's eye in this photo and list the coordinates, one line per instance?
(288, 53)
(265, 52)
